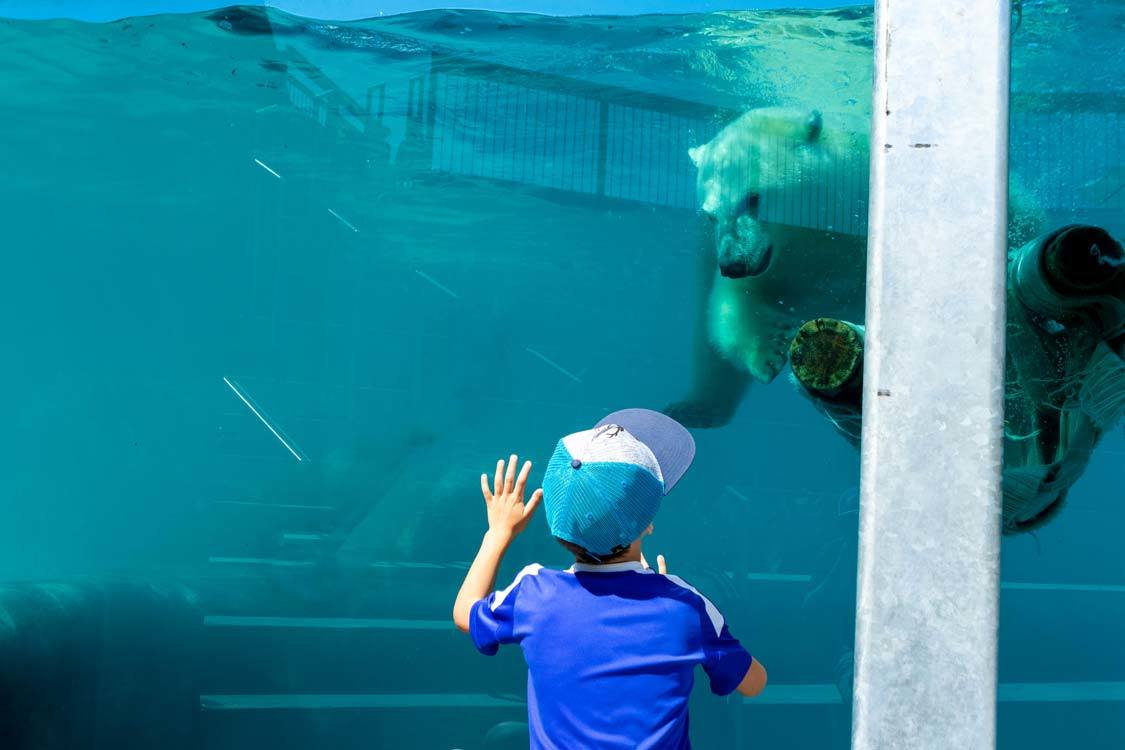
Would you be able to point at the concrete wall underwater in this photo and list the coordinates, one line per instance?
(98, 664)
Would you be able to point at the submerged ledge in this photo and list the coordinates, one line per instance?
(777, 695)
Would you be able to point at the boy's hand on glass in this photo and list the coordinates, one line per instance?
(508, 515)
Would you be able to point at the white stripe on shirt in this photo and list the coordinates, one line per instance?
(530, 570)
(712, 611)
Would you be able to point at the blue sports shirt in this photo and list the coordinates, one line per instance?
(611, 652)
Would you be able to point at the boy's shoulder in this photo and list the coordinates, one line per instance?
(606, 587)
(608, 578)
(616, 573)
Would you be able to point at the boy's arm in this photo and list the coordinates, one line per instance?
(755, 680)
(508, 515)
(481, 577)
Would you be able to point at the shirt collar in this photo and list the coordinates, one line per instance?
(608, 568)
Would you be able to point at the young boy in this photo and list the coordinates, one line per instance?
(611, 646)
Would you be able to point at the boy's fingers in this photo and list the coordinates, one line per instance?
(498, 483)
(510, 477)
(484, 488)
(533, 503)
(521, 481)
(661, 566)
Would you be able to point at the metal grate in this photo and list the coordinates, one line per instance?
(494, 122)
(1071, 160)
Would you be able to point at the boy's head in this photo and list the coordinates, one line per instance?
(603, 487)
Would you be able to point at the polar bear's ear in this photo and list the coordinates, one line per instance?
(696, 154)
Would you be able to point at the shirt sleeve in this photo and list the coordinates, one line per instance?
(726, 660)
(492, 619)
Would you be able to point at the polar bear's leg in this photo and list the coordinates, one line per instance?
(732, 320)
(747, 331)
(717, 385)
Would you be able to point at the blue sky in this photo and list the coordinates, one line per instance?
(105, 10)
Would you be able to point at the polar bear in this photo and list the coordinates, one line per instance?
(771, 187)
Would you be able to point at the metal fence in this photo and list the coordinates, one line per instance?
(593, 146)
(492, 122)
(1071, 160)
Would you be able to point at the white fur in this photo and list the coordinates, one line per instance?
(815, 272)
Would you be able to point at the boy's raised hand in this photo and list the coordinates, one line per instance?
(661, 565)
(508, 515)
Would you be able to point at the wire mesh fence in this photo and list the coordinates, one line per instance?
(491, 122)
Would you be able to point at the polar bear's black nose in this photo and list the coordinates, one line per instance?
(735, 269)
(742, 265)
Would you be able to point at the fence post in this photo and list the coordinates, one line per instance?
(926, 622)
(603, 143)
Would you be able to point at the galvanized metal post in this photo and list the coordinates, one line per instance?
(933, 381)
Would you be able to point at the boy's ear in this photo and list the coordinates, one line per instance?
(648, 531)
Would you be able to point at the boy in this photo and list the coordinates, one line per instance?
(610, 645)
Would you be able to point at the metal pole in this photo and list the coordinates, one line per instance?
(926, 622)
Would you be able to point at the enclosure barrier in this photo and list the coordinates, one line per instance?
(545, 131)
(926, 616)
(526, 128)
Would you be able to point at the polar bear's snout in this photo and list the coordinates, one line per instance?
(741, 267)
(744, 248)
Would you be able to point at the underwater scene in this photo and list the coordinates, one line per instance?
(280, 289)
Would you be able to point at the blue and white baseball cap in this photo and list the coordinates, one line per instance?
(603, 486)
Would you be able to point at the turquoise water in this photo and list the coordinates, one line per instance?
(280, 289)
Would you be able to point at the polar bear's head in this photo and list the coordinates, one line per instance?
(766, 151)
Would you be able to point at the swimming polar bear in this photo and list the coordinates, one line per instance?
(771, 256)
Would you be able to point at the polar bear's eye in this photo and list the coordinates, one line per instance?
(750, 204)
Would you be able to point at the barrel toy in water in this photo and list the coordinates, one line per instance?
(1066, 377)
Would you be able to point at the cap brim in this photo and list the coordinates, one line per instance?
(669, 441)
